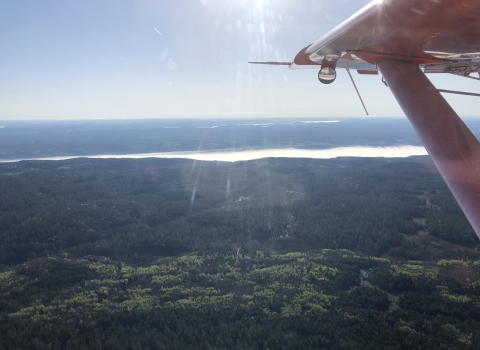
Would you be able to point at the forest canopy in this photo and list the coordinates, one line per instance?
(269, 254)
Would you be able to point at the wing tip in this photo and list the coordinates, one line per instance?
(271, 63)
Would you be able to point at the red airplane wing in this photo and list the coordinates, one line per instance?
(399, 35)
(417, 31)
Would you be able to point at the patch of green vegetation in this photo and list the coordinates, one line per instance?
(265, 285)
(445, 263)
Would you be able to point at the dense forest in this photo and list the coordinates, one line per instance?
(270, 254)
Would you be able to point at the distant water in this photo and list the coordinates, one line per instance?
(212, 139)
(244, 155)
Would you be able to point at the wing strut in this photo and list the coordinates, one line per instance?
(452, 146)
(347, 59)
(459, 92)
(467, 76)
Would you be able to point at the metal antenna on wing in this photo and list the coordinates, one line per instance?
(347, 59)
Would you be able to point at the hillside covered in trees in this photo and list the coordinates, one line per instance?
(269, 254)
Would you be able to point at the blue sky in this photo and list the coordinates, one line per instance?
(80, 59)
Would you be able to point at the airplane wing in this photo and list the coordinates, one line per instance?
(417, 31)
(402, 39)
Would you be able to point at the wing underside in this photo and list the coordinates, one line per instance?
(418, 31)
(401, 38)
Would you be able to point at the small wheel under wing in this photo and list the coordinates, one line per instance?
(327, 75)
